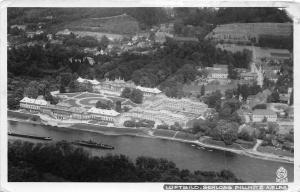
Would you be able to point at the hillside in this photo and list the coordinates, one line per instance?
(119, 24)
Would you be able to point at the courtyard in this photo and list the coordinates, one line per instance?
(88, 100)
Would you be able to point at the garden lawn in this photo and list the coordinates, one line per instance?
(164, 133)
(269, 149)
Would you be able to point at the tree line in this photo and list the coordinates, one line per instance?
(35, 162)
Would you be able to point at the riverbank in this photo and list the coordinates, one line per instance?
(146, 133)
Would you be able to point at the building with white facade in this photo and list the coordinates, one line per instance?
(160, 117)
(32, 104)
(117, 86)
(217, 72)
(260, 114)
(248, 32)
(179, 106)
(103, 114)
(64, 111)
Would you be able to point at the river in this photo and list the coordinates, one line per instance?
(183, 154)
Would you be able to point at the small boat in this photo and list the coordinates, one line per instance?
(29, 136)
(92, 144)
(193, 145)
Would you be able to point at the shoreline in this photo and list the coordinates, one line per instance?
(246, 152)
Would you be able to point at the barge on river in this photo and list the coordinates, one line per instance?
(29, 136)
(93, 144)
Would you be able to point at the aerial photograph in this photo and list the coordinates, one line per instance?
(150, 94)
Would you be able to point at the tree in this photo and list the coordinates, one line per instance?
(202, 90)
(73, 86)
(245, 135)
(265, 119)
(176, 127)
(292, 98)
(104, 104)
(274, 97)
(65, 79)
(163, 126)
(272, 128)
(32, 90)
(118, 106)
(227, 131)
(229, 93)
(214, 100)
(232, 74)
(243, 91)
(136, 96)
(104, 42)
(200, 126)
(260, 106)
(62, 89)
(126, 92)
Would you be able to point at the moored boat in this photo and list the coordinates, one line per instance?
(93, 144)
(29, 136)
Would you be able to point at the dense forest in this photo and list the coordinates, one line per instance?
(60, 161)
(168, 67)
(149, 16)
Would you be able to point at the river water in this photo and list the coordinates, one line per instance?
(184, 155)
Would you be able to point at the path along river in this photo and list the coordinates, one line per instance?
(183, 154)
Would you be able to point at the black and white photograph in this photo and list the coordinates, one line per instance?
(149, 94)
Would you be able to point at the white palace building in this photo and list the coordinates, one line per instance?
(64, 111)
(116, 86)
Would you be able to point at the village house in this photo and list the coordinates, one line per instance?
(217, 72)
(90, 60)
(248, 76)
(21, 27)
(259, 98)
(63, 32)
(285, 97)
(185, 39)
(259, 115)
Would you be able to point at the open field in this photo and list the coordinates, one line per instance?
(164, 133)
(185, 136)
(115, 99)
(72, 102)
(91, 102)
(119, 24)
(68, 95)
(221, 144)
(86, 95)
(98, 35)
(269, 149)
(20, 115)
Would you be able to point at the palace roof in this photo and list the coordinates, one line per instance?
(103, 112)
(148, 90)
(94, 82)
(34, 101)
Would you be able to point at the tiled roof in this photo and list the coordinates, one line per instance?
(34, 101)
(63, 104)
(78, 109)
(94, 82)
(103, 112)
(148, 90)
(220, 66)
(248, 74)
(263, 112)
